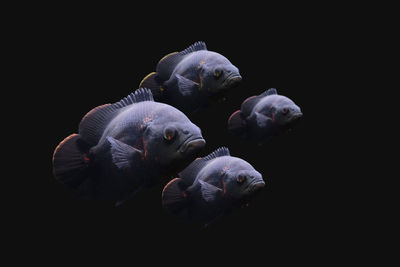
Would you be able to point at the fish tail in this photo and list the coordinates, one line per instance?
(174, 197)
(236, 124)
(151, 83)
(70, 164)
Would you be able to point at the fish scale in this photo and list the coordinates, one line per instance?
(215, 187)
(123, 147)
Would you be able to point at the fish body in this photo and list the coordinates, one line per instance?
(210, 186)
(188, 79)
(264, 116)
(126, 146)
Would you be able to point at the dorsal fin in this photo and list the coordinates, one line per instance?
(197, 46)
(140, 95)
(222, 151)
(270, 91)
(189, 174)
(250, 102)
(95, 121)
(167, 64)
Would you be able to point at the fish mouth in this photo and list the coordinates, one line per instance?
(232, 81)
(256, 186)
(295, 118)
(192, 143)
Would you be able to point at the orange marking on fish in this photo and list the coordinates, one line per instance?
(145, 154)
(223, 185)
(272, 107)
(185, 194)
(148, 119)
(86, 159)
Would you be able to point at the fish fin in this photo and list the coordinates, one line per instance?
(188, 175)
(186, 86)
(209, 192)
(197, 46)
(151, 83)
(140, 95)
(248, 104)
(236, 124)
(220, 152)
(69, 164)
(270, 91)
(262, 120)
(122, 154)
(128, 196)
(92, 125)
(167, 64)
(173, 196)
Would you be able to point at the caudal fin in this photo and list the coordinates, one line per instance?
(69, 163)
(150, 82)
(174, 198)
(236, 124)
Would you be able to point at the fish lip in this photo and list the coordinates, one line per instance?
(254, 184)
(234, 77)
(190, 140)
(296, 117)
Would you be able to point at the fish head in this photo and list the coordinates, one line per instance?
(242, 181)
(219, 74)
(173, 139)
(286, 113)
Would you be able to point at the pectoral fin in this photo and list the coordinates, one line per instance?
(209, 192)
(122, 154)
(262, 120)
(186, 86)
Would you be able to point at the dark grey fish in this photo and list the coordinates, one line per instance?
(188, 79)
(264, 116)
(125, 146)
(209, 186)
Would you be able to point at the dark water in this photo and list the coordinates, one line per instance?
(96, 66)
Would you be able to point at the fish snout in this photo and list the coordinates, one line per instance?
(234, 81)
(257, 186)
(297, 116)
(193, 145)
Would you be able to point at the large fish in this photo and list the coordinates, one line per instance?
(209, 186)
(188, 79)
(125, 146)
(264, 116)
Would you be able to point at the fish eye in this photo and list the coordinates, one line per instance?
(285, 111)
(169, 133)
(241, 179)
(217, 73)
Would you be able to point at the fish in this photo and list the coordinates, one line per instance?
(192, 78)
(207, 189)
(264, 116)
(126, 146)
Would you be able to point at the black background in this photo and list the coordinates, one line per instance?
(89, 61)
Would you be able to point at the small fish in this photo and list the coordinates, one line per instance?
(264, 116)
(126, 146)
(188, 79)
(209, 186)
